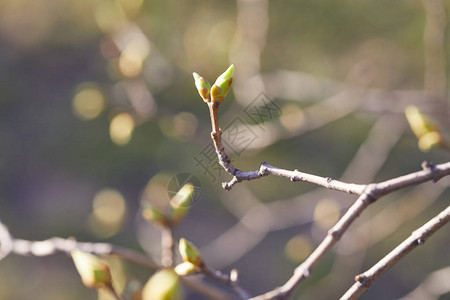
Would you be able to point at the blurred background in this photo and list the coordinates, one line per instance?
(99, 111)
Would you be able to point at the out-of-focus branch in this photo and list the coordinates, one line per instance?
(434, 43)
(372, 193)
(417, 238)
(435, 285)
(315, 116)
(6, 241)
(249, 41)
(211, 292)
(10, 245)
(300, 86)
(57, 244)
(229, 280)
(51, 246)
(167, 246)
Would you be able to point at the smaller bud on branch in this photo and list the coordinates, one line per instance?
(203, 87)
(186, 268)
(181, 203)
(153, 214)
(426, 131)
(163, 285)
(94, 272)
(190, 253)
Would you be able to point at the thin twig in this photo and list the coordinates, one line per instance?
(417, 238)
(229, 280)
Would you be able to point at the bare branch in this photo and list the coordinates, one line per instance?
(417, 238)
(371, 194)
(266, 169)
(434, 44)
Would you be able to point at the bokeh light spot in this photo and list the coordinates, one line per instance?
(121, 128)
(88, 102)
(185, 124)
(326, 213)
(108, 212)
(133, 56)
(292, 117)
(298, 248)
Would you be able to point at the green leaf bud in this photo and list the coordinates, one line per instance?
(181, 202)
(94, 272)
(163, 285)
(153, 214)
(203, 87)
(418, 122)
(429, 140)
(186, 268)
(190, 253)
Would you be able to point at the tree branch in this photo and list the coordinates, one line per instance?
(56, 244)
(370, 195)
(417, 238)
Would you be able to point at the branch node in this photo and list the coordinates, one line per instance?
(335, 234)
(361, 278)
(430, 167)
(329, 179)
(371, 192)
(420, 241)
(263, 170)
(427, 165)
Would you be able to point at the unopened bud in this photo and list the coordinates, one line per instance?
(430, 140)
(203, 87)
(418, 122)
(181, 202)
(186, 268)
(222, 85)
(190, 253)
(153, 214)
(94, 272)
(163, 285)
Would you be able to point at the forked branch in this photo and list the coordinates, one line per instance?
(417, 238)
